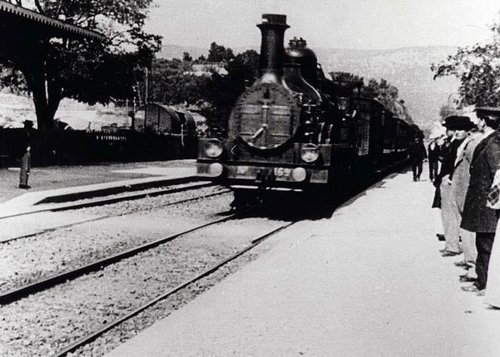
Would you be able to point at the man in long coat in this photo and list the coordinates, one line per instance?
(417, 155)
(459, 185)
(443, 179)
(476, 216)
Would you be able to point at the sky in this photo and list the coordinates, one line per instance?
(352, 24)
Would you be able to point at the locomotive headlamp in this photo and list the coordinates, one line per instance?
(213, 149)
(309, 152)
(299, 174)
(215, 169)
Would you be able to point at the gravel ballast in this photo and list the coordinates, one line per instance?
(41, 324)
(31, 259)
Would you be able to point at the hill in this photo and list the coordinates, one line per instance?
(406, 68)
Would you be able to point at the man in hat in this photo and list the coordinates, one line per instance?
(457, 124)
(417, 155)
(459, 185)
(477, 217)
(26, 155)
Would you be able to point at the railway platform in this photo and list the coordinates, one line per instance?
(369, 281)
(56, 184)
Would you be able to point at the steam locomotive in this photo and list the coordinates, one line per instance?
(296, 130)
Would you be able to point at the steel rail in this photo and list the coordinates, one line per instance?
(103, 201)
(91, 337)
(18, 293)
(52, 229)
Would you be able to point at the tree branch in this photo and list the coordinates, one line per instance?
(39, 7)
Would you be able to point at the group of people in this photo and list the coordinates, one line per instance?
(467, 192)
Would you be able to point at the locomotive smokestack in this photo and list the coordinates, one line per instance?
(272, 49)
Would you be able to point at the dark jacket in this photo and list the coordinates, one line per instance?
(417, 152)
(24, 141)
(434, 152)
(448, 165)
(447, 168)
(485, 161)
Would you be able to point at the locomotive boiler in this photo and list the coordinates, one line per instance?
(296, 130)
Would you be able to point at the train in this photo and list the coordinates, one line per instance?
(295, 130)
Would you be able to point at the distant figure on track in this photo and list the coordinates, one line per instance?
(417, 155)
(26, 155)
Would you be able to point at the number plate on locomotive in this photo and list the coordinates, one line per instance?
(282, 172)
(251, 172)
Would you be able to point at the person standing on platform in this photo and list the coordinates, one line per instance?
(492, 294)
(417, 155)
(433, 150)
(442, 143)
(477, 217)
(448, 205)
(459, 185)
(26, 155)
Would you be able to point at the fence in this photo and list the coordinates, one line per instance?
(79, 147)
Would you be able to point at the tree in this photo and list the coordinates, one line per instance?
(223, 90)
(186, 57)
(173, 82)
(215, 92)
(218, 53)
(86, 70)
(478, 68)
(345, 83)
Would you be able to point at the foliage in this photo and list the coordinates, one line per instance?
(173, 82)
(223, 91)
(13, 79)
(345, 83)
(218, 53)
(212, 87)
(478, 68)
(383, 91)
(86, 70)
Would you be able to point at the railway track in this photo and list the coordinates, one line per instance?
(112, 268)
(95, 219)
(82, 203)
(18, 293)
(94, 335)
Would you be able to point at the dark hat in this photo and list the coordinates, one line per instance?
(456, 122)
(488, 112)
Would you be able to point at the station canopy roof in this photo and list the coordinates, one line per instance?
(20, 22)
